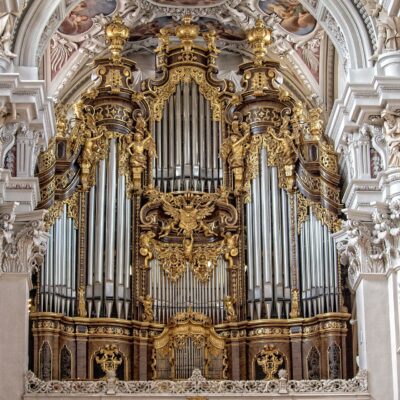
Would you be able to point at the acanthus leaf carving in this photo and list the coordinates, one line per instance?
(23, 249)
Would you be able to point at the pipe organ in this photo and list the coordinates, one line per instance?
(191, 223)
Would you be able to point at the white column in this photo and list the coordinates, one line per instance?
(23, 244)
(14, 295)
(373, 320)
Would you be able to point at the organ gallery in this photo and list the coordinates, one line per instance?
(191, 223)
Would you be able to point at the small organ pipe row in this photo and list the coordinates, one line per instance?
(319, 271)
(188, 142)
(268, 266)
(269, 248)
(187, 291)
(58, 274)
(109, 259)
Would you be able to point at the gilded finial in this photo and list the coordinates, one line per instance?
(187, 32)
(259, 37)
(117, 34)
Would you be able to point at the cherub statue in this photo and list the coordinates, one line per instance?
(391, 128)
(148, 315)
(163, 37)
(231, 247)
(188, 248)
(230, 309)
(145, 247)
(211, 40)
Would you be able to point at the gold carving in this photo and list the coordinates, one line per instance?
(270, 359)
(147, 302)
(230, 309)
(109, 358)
(117, 34)
(135, 151)
(187, 33)
(81, 302)
(231, 247)
(295, 303)
(234, 150)
(259, 38)
(145, 247)
(186, 74)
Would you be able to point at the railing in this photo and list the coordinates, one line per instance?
(198, 385)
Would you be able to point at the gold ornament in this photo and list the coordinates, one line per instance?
(109, 358)
(259, 38)
(117, 34)
(270, 359)
(230, 309)
(148, 315)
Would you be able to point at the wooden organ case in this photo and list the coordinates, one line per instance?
(191, 224)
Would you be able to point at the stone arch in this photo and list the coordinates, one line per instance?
(340, 20)
(346, 30)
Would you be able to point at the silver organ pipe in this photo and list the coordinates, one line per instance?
(187, 141)
(99, 235)
(110, 227)
(171, 297)
(120, 251)
(127, 258)
(277, 239)
(58, 287)
(90, 252)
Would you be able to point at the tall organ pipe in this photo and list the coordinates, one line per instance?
(99, 245)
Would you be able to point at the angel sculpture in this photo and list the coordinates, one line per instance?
(145, 247)
(234, 149)
(231, 247)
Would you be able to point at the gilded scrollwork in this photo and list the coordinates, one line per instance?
(271, 360)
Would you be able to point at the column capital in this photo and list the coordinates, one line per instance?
(23, 240)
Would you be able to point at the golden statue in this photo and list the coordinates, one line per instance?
(188, 249)
(211, 40)
(145, 247)
(231, 247)
(234, 149)
(148, 315)
(137, 148)
(163, 38)
(81, 303)
(230, 309)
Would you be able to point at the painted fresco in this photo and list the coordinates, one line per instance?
(151, 29)
(193, 3)
(295, 19)
(80, 20)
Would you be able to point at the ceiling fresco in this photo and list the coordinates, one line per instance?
(295, 19)
(192, 3)
(82, 31)
(80, 19)
(224, 31)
